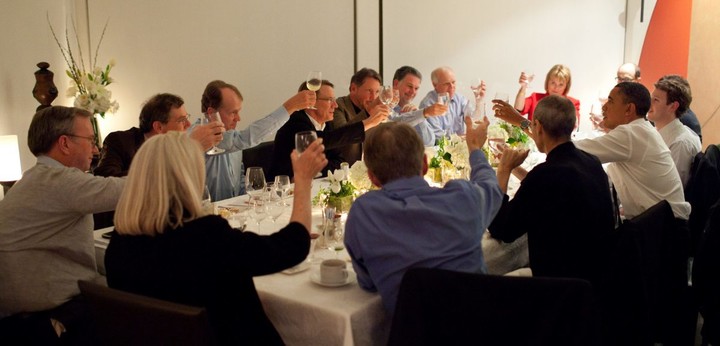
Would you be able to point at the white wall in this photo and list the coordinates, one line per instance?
(266, 47)
(495, 41)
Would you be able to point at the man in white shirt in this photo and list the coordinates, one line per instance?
(670, 99)
(641, 167)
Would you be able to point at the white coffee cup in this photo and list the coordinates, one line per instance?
(333, 271)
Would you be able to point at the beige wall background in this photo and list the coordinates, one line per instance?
(704, 68)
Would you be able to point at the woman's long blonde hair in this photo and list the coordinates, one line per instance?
(164, 186)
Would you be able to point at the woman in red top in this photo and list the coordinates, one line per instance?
(557, 82)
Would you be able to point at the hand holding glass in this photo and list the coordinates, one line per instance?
(303, 140)
(208, 118)
(314, 82)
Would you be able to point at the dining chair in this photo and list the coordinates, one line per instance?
(645, 295)
(443, 307)
(260, 155)
(706, 277)
(123, 318)
(702, 190)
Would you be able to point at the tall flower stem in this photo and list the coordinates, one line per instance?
(96, 130)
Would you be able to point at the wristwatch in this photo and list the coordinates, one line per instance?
(525, 124)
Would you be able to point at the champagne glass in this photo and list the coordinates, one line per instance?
(314, 82)
(282, 185)
(255, 182)
(303, 140)
(208, 118)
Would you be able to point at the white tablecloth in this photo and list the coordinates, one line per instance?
(305, 313)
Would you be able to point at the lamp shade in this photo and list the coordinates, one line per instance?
(10, 157)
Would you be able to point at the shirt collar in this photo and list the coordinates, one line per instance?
(318, 126)
(48, 161)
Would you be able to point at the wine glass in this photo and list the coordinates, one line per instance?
(529, 76)
(208, 118)
(303, 140)
(395, 101)
(386, 95)
(260, 209)
(275, 206)
(596, 116)
(314, 82)
(282, 185)
(475, 88)
(335, 237)
(502, 96)
(206, 202)
(255, 182)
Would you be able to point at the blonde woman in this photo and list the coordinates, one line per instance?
(557, 82)
(166, 247)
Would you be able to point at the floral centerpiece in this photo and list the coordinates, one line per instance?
(450, 160)
(88, 83)
(503, 133)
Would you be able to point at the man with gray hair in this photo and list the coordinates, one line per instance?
(443, 81)
(571, 182)
(408, 223)
(46, 234)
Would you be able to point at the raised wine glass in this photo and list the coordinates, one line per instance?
(303, 140)
(208, 118)
(314, 82)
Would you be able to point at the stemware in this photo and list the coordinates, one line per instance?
(206, 202)
(443, 98)
(314, 82)
(260, 209)
(386, 95)
(303, 140)
(282, 185)
(529, 77)
(255, 182)
(208, 118)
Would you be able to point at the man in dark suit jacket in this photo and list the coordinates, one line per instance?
(314, 120)
(563, 204)
(160, 114)
(361, 103)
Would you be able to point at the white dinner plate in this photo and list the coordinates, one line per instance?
(315, 277)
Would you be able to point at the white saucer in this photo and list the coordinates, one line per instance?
(315, 277)
(303, 266)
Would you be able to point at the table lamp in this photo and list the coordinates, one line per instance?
(10, 170)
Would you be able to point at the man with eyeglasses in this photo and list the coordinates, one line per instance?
(630, 72)
(225, 172)
(46, 240)
(315, 120)
(160, 114)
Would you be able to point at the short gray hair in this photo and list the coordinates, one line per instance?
(49, 124)
(557, 116)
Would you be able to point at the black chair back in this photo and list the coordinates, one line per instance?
(260, 155)
(442, 307)
(702, 191)
(123, 318)
(706, 277)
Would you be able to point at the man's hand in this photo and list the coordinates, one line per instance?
(302, 100)
(309, 164)
(378, 114)
(408, 108)
(479, 90)
(208, 134)
(512, 158)
(435, 110)
(505, 111)
(476, 133)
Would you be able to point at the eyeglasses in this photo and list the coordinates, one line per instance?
(182, 120)
(623, 79)
(328, 99)
(92, 139)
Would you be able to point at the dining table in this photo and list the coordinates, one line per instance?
(307, 312)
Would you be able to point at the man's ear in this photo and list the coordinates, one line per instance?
(424, 165)
(157, 127)
(373, 178)
(62, 144)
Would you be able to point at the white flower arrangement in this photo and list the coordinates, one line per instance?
(88, 85)
(359, 177)
(458, 150)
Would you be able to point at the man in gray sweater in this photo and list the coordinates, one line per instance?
(46, 233)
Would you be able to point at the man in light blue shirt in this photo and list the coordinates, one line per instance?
(407, 223)
(443, 80)
(407, 81)
(225, 172)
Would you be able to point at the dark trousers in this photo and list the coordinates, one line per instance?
(35, 328)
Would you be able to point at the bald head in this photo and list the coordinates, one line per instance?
(443, 80)
(628, 72)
